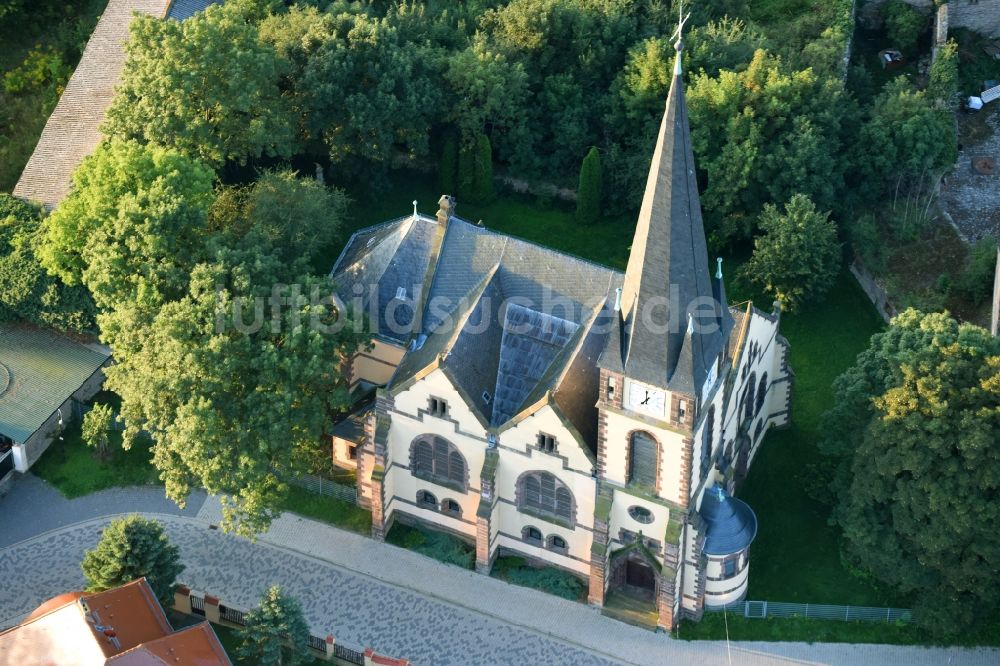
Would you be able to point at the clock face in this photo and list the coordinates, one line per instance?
(646, 399)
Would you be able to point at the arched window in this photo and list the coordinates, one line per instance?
(707, 440)
(642, 460)
(532, 535)
(426, 500)
(436, 459)
(557, 543)
(761, 394)
(541, 492)
(451, 507)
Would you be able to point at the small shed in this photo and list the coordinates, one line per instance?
(43, 376)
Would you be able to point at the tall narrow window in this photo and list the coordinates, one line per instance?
(708, 441)
(761, 394)
(642, 460)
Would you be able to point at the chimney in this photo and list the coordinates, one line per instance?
(446, 208)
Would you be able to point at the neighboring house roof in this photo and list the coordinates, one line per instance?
(182, 9)
(125, 625)
(73, 130)
(39, 371)
(730, 523)
(669, 259)
(505, 317)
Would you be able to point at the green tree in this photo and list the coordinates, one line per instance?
(903, 148)
(294, 217)
(483, 191)
(466, 184)
(448, 166)
(588, 194)
(276, 632)
(904, 24)
(130, 548)
(490, 92)
(235, 401)
(207, 86)
(763, 135)
(96, 429)
(797, 257)
(132, 227)
(914, 429)
(27, 291)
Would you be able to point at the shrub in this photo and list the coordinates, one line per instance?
(976, 281)
(438, 545)
(483, 191)
(42, 66)
(97, 428)
(561, 583)
(588, 194)
(943, 84)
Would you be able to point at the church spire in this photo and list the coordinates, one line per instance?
(669, 260)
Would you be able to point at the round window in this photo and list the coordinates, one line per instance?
(640, 514)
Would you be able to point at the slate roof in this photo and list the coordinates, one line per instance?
(182, 9)
(730, 523)
(503, 316)
(72, 131)
(39, 370)
(669, 259)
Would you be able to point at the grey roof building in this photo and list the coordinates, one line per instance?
(39, 371)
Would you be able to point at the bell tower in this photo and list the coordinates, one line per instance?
(661, 360)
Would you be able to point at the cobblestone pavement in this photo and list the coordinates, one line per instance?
(371, 594)
(973, 200)
(49, 510)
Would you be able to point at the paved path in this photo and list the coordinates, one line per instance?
(400, 603)
(48, 509)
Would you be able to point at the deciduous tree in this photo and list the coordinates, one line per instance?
(130, 548)
(96, 430)
(797, 257)
(914, 427)
(207, 87)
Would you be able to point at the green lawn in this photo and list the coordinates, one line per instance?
(328, 510)
(75, 470)
(551, 224)
(65, 28)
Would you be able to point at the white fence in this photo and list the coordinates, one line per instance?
(765, 609)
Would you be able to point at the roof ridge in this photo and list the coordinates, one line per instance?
(510, 237)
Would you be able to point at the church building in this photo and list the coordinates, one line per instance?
(537, 404)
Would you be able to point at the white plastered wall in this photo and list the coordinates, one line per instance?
(619, 429)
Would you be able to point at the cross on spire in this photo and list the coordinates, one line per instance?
(679, 34)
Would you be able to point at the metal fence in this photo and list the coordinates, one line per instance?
(347, 654)
(765, 609)
(238, 617)
(318, 484)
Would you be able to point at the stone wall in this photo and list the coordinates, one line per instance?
(983, 16)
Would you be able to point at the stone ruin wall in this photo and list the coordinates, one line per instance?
(983, 16)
